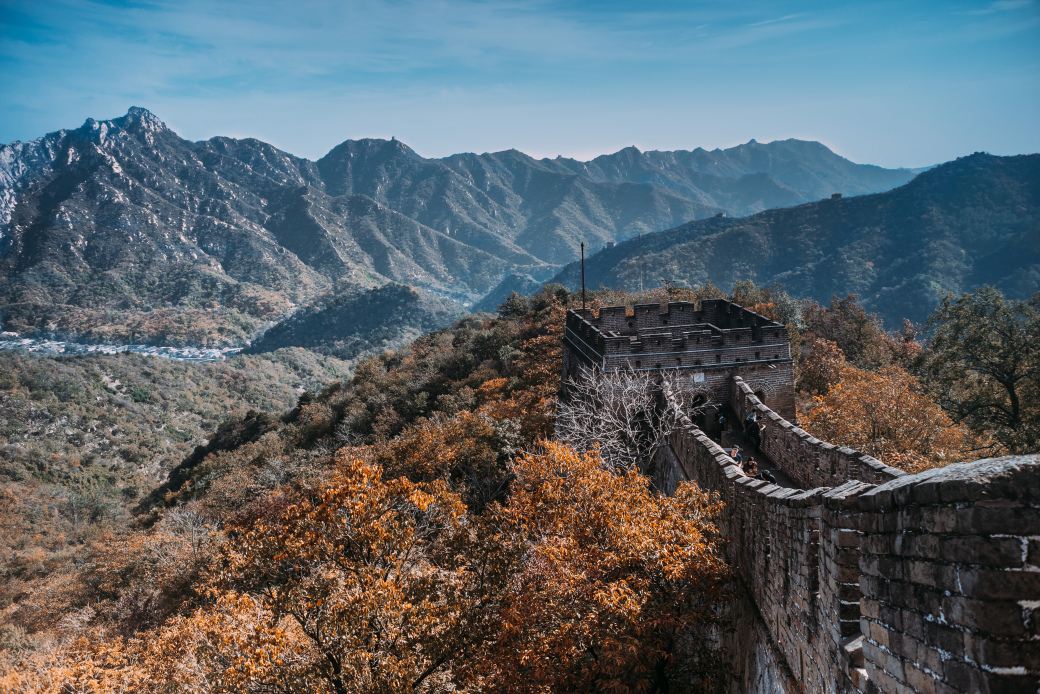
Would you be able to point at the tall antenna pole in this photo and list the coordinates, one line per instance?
(582, 275)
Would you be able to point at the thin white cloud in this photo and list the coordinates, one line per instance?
(445, 75)
(775, 20)
(1002, 6)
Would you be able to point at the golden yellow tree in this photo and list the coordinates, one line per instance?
(614, 578)
(888, 415)
(821, 365)
(379, 585)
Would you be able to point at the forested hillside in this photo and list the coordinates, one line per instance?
(961, 225)
(83, 439)
(416, 527)
(350, 324)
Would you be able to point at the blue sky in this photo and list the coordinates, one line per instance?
(904, 83)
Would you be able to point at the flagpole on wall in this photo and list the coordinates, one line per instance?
(583, 275)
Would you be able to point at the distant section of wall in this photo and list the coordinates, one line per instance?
(928, 582)
(806, 459)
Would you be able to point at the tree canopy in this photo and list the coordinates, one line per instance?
(984, 363)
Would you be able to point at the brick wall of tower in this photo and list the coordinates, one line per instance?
(705, 347)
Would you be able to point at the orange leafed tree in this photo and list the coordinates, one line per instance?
(821, 365)
(382, 584)
(615, 577)
(464, 450)
(581, 580)
(887, 414)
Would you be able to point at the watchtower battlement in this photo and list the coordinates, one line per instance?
(706, 345)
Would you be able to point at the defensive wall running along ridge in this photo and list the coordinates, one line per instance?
(875, 580)
(862, 578)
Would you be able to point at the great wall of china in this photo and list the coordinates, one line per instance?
(860, 577)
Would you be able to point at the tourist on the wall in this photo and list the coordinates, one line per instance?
(751, 430)
(751, 468)
(750, 420)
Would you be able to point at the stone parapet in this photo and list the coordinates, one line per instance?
(805, 458)
(950, 574)
(927, 582)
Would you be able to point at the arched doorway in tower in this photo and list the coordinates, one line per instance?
(761, 396)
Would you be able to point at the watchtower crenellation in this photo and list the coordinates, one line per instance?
(706, 345)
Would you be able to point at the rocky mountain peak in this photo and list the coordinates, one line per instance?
(139, 117)
(137, 121)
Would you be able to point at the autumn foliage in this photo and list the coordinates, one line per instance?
(582, 580)
(416, 529)
(413, 530)
(887, 414)
(615, 579)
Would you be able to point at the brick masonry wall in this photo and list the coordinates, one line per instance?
(805, 458)
(928, 582)
(773, 544)
(950, 572)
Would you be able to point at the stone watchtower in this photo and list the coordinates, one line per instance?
(706, 347)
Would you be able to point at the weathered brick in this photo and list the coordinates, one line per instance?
(920, 681)
(990, 551)
(931, 573)
(1002, 654)
(1033, 552)
(944, 637)
(1012, 520)
(1003, 618)
(959, 675)
(881, 681)
(989, 584)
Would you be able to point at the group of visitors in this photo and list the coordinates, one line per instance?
(749, 466)
(753, 434)
(752, 430)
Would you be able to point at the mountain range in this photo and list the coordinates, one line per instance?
(121, 229)
(969, 222)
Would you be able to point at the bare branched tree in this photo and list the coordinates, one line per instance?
(620, 413)
(190, 523)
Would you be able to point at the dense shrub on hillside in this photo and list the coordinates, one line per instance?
(984, 365)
